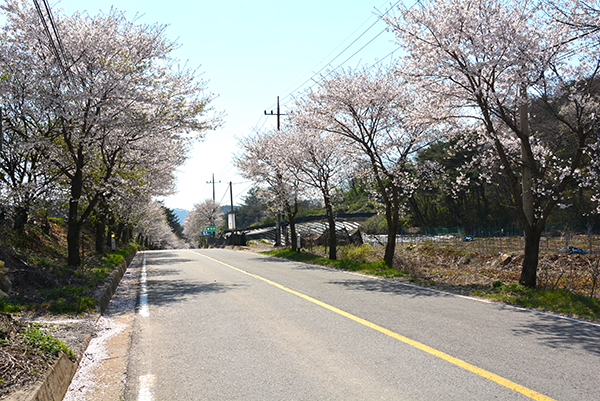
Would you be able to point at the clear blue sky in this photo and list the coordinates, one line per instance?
(252, 51)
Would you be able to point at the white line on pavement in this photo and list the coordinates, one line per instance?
(146, 383)
(144, 311)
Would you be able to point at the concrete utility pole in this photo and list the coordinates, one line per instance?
(231, 218)
(278, 114)
(213, 185)
(278, 225)
(231, 194)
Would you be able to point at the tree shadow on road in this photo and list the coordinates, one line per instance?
(168, 259)
(388, 287)
(163, 273)
(555, 332)
(171, 291)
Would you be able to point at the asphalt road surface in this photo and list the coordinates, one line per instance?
(229, 325)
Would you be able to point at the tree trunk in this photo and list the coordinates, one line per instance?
(392, 218)
(332, 235)
(73, 234)
(292, 212)
(21, 213)
(530, 262)
(120, 229)
(125, 234)
(74, 223)
(100, 233)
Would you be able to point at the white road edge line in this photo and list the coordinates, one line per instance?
(146, 384)
(144, 311)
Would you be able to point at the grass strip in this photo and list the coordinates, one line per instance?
(557, 301)
(554, 301)
(378, 268)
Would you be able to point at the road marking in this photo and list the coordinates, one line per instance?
(144, 311)
(442, 355)
(146, 384)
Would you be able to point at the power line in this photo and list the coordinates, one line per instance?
(289, 93)
(48, 34)
(244, 190)
(329, 64)
(53, 46)
(348, 59)
(58, 39)
(335, 58)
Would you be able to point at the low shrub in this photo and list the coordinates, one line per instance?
(355, 253)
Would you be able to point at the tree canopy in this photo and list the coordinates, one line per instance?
(107, 119)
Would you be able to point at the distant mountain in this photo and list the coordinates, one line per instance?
(181, 215)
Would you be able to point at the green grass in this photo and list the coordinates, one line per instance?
(46, 343)
(69, 299)
(8, 307)
(558, 301)
(74, 298)
(378, 268)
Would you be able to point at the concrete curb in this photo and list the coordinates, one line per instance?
(51, 387)
(104, 293)
(55, 382)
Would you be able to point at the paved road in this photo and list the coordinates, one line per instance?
(222, 325)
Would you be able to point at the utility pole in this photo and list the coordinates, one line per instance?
(213, 185)
(231, 217)
(231, 194)
(278, 225)
(278, 114)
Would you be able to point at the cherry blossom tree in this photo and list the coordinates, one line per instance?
(483, 62)
(119, 94)
(264, 159)
(322, 162)
(202, 215)
(147, 172)
(25, 182)
(368, 111)
(152, 224)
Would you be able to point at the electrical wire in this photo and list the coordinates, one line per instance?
(224, 195)
(49, 35)
(55, 29)
(335, 58)
(289, 93)
(349, 58)
(243, 191)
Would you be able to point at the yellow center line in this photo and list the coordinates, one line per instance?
(442, 355)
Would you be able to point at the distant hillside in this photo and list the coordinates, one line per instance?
(181, 215)
(227, 208)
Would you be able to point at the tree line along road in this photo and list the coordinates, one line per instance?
(221, 324)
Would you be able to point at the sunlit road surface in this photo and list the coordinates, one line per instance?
(227, 325)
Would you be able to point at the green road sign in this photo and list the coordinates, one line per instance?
(211, 229)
